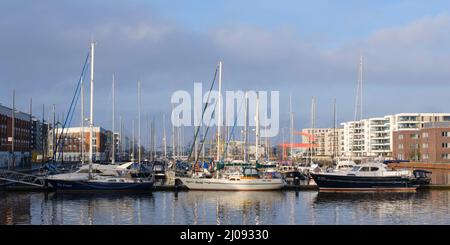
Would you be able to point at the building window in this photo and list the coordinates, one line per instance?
(446, 156)
(414, 146)
(425, 156)
(425, 135)
(445, 134)
(414, 136)
(425, 145)
(445, 145)
(400, 156)
(400, 146)
(400, 136)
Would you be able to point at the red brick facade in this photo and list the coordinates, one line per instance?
(425, 145)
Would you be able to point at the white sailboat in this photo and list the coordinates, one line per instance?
(244, 178)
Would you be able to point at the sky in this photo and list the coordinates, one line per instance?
(301, 48)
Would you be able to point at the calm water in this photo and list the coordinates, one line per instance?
(289, 207)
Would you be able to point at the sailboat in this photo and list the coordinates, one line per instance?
(95, 176)
(240, 178)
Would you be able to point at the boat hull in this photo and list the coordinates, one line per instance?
(347, 183)
(235, 185)
(83, 185)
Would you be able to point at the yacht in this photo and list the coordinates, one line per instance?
(372, 176)
(247, 179)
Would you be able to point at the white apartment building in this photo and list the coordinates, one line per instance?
(373, 137)
(328, 140)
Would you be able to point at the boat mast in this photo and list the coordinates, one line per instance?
(139, 121)
(334, 144)
(257, 129)
(82, 122)
(154, 138)
(13, 160)
(246, 129)
(219, 117)
(173, 138)
(203, 140)
(91, 118)
(291, 121)
(361, 85)
(121, 135)
(132, 141)
(358, 99)
(313, 125)
(113, 119)
(164, 137)
(42, 133)
(195, 146)
(266, 138)
(53, 134)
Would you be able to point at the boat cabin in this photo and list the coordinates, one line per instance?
(376, 169)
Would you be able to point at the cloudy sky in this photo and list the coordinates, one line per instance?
(303, 48)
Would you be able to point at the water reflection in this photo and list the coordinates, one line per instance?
(232, 207)
(440, 177)
(196, 207)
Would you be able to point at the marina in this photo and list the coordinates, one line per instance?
(224, 121)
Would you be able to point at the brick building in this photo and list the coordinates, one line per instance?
(72, 144)
(21, 139)
(428, 144)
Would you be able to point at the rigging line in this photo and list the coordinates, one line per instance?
(232, 130)
(203, 113)
(206, 132)
(73, 99)
(71, 117)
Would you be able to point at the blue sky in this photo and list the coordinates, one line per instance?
(335, 21)
(302, 48)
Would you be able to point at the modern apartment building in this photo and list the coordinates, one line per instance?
(328, 141)
(374, 137)
(431, 143)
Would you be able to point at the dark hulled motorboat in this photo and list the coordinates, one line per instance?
(366, 177)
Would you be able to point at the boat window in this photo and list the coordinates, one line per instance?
(250, 171)
(355, 168)
(373, 169)
(365, 169)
